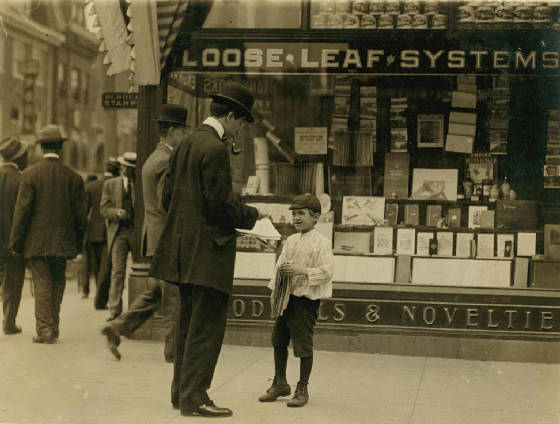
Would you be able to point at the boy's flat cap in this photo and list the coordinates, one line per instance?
(308, 201)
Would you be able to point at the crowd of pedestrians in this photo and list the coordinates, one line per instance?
(188, 234)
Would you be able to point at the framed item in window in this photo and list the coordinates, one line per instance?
(430, 130)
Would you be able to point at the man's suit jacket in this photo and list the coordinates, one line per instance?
(10, 177)
(50, 212)
(152, 183)
(197, 245)
(111, 203)
(95, 230)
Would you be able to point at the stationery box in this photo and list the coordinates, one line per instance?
(433, 215)
(396, 175)
(516, 214)
(459, 143)
(412, 214)
(487, 219)
(454, 217)
(462, 129)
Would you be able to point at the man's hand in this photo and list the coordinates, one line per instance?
(121, 214)
(292, 269)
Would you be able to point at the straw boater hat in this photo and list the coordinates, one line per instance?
(128, 159)
(51, 133)
(237, 94)
(11, 149)
(173, 114)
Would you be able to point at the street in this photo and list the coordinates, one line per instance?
(78, 381)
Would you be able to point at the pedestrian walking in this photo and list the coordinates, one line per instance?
(117, 207)
(198, 244)
(172, 124)
(306, 264)
(103, 276)
(48, 229)
(12, 266)
(88, 263)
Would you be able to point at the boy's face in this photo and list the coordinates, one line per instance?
(304, 220)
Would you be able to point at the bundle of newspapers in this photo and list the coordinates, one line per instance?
(281, 294)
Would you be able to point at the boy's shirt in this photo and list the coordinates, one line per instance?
(312, 251)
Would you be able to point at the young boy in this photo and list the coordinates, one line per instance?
(307, 260)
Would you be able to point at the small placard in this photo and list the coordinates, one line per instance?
(310, 140)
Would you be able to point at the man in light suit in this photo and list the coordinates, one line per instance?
(172, 124)
(117, 207)
(197, 247)
(12, 267)
(48, 229)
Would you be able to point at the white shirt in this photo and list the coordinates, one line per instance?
(51, 155)
(10, 164)
(214, 123)
(312, 251)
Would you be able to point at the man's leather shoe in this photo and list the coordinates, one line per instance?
(280, 387)
(43, 339)
(16, 329)
(113, 340)
(208, 410)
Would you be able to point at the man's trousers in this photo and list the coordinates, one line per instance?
(200, 329)
(145, 305)
(12, 275)
(103, 279)
(49, 281)
(119, 253)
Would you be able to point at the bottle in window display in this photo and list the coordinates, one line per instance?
(505, 188)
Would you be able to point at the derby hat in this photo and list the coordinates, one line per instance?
(51, 133)
(128, 159)
(173, 114)
(239, 95)
(11, 149)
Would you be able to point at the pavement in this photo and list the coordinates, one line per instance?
(78, 381)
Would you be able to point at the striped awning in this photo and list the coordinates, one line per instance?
(170, 15)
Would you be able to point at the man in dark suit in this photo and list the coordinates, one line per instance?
(88, 264)
(172, 124)
(12, 267)
(49, 223)
(197, 246)
(117, 207)
(96, 236)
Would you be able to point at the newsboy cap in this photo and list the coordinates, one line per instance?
(239, 95)
(11, 148)
(51, 133)
(308, 201)
(173, 114)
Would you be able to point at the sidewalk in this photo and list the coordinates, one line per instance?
(78, 381)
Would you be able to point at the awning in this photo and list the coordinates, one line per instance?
(143, 46)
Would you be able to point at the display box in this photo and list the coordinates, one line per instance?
(516, 214)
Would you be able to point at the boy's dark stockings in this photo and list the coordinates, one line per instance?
(280, 361)
(305, 366)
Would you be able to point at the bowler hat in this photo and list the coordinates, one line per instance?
(128, 159)
(308, 201)
(173, 114)
(239, 95)
(51, 133)
(11, 149)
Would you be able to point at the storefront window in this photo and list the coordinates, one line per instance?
(248, 14)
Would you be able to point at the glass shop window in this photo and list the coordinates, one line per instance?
(252, 14)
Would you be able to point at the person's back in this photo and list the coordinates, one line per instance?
(55, 219)
(95, 231)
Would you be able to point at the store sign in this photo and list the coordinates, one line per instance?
(433, 316)
(119, 100)
(323, 57)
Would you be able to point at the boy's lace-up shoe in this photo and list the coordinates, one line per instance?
(301, 397)
(280, 387)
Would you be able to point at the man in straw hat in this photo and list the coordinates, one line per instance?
(196, 249)
(12, 267)
(172, 123)
(49, 223)
(117, 207)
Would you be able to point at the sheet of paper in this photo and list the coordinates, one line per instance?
(445, 243)
(405, 241)
(423, 243)
(463, 244)
(526, 244)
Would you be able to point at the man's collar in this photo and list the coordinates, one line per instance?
(217, 125)
(166, 145)
(12, 164)
(52, 155)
